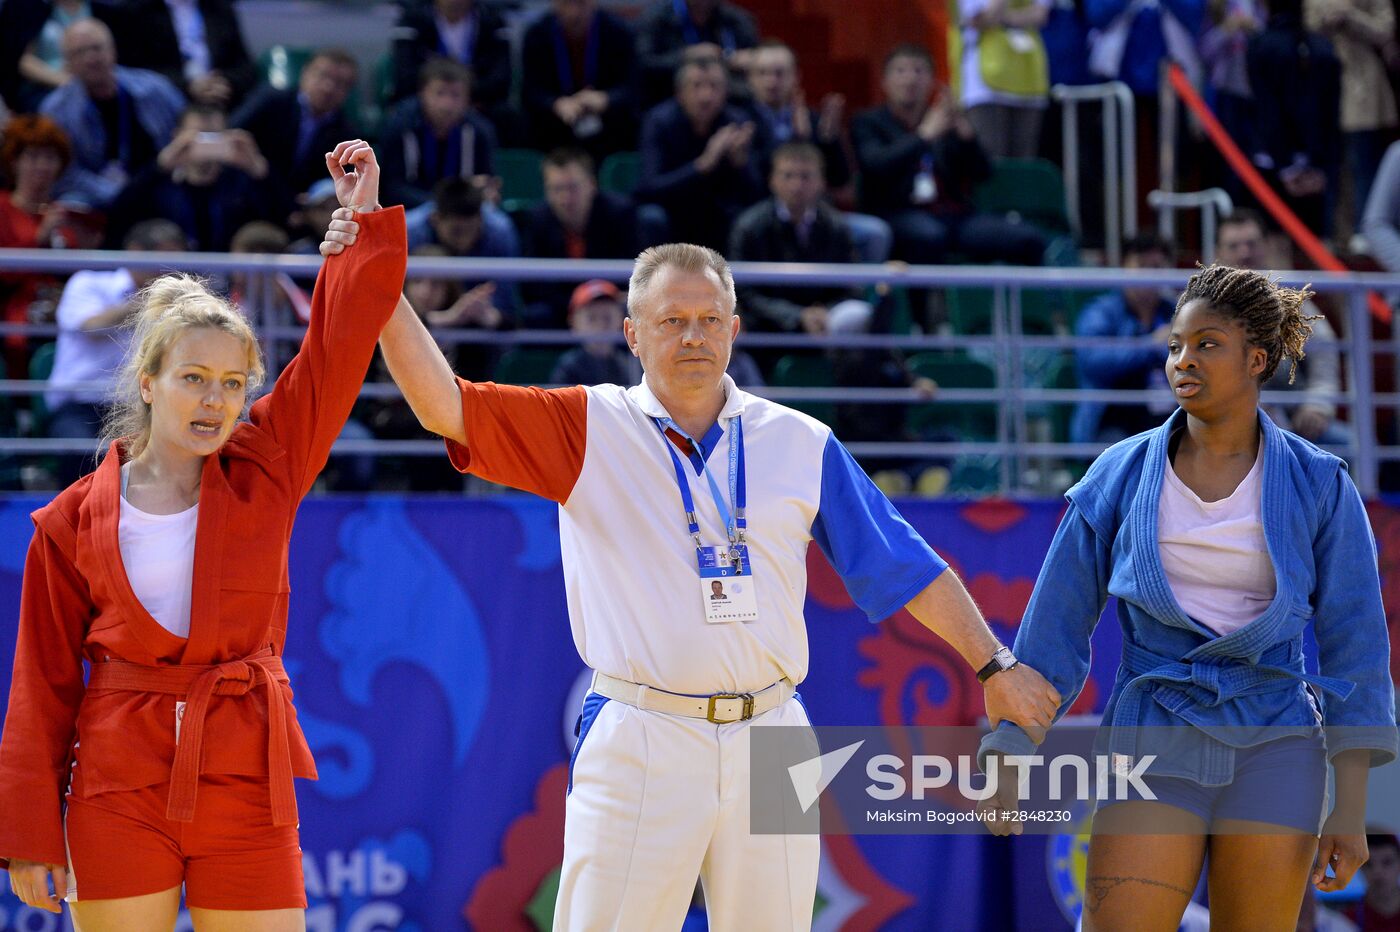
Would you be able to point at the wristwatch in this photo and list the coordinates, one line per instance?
(1003, 659)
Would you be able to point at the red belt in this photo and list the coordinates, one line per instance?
(196, 684)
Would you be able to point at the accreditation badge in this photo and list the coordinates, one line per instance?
(727, 585)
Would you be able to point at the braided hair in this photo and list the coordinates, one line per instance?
(1272, 315)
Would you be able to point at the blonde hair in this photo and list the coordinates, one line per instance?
(170, 305)
(684, 257)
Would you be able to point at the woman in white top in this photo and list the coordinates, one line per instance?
(167, 771)
(1223, 538)
(1004, 75)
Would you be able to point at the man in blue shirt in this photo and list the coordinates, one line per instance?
(1133, 312)
(118, 118)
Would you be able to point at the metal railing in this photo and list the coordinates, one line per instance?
(1007, 349)
(1214, 204)
(1119, 159)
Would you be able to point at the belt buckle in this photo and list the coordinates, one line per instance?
(744, 715)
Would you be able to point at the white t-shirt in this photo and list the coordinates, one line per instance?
(88, 355)
(158, 554)
(1214, 553)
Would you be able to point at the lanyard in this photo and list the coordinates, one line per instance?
(735, 524)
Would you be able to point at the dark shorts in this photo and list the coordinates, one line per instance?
(1281, 782)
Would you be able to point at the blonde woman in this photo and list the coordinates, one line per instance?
(166, 570)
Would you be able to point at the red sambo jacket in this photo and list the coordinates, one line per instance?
(77, 604)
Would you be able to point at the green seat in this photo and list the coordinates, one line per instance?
(40, 368)
(1032, 188)
(964, 420)
(969, 309)
(901, 317)
(522, 186)
(805, 371)
(383, 77)
(1044, 312)
(527, 365)
(371, 109)
(619, 171)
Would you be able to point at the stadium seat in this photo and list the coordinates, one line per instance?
(527, 365)
(969, 309)
(618, 173)
(944, 420)
(40, 368)
(1032, 188)
(522, 187)
(807, 371)
(382, 78)
(1044, 311)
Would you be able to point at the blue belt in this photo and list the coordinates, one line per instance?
(1208, 685)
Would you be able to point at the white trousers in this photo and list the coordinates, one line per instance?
(659, 800)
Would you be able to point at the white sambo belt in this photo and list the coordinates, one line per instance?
(720, 708)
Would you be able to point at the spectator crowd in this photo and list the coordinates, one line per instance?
(578, 134)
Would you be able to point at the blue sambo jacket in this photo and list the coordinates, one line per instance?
(1241, 688)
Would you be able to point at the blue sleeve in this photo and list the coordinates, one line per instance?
(1064, 609)
(174, 107)
(1349, 621)
(87, 187)
(1104, 366)
(881, 559)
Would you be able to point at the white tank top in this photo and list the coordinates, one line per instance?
(1214, 554)
(158, 553)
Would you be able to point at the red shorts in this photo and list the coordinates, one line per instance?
(231, 856)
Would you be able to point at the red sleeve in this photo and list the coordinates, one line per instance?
(45, 694)
(355, 295)
(18, 230)
(527, 438)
